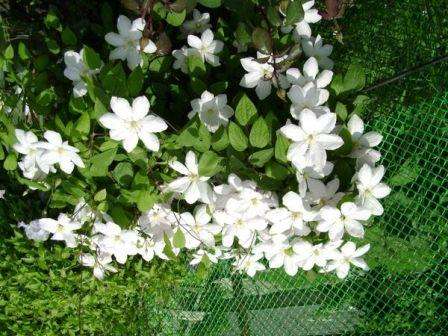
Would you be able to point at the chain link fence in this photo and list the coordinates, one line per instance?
(406, 290)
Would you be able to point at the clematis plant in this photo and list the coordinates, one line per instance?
(170, 140)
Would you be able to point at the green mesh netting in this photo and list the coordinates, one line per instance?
(404, 293)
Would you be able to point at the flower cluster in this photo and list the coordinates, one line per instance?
(40, 157)
(312, 222)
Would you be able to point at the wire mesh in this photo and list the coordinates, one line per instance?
(406, 290)
(404, 293)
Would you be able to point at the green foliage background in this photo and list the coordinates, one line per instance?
(44, 292)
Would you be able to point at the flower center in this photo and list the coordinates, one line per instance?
(310, 139)
(296, 215)
(135, 125)
(61, 151)
(239, 223)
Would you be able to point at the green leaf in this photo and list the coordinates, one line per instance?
(99, 109)
(176, 18)
(360, 103)
(355, 78)
(51, 20)
(120, 215)
(52, 45)
(341, 111)
(196, 66)
(245, 111)
(347, 147)
(10, 162)
(46, 97)
(196, 135)
(145, 200)
(2, 152)
(83, 124)
(160, 64)
(408, 173)
(179, 239)
(259, 159)
(294, 13)
(32, 184)
(100, 195)
(9, 52)
(337, 84)
(123, 173)
(91, 58)
(24, 54)
(276, 171)
(101, 162)
(135, 81)
(220, 139)
(237, 138)
(210, 3)
(68, 37)
(281, 148)
(259, 134)
(344, 171)
(209, 164)
(242, 34)
(262, 40)
(273, 16)
(114, 80)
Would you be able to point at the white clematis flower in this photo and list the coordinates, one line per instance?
(157, 221)
(127, 42)
(58, 152)
(249, 264)
(261, 76)
(180, 61)
(370, 188)
(310, 75)
(309, 98)
(310, 255)
(61, 229)
(314, 47)
(198, 229)
(199, 23)
(200, 254)
(131, 123)
(324, 194)
(206, 47)
(336, 222)
(75, 71)
(282, 255)
(118, 242)
(192, 186)
(147, 247)
(363, 142)
(240, 225)
(212, 110)
(34, 230)
(99, 263)
(294, 215)
(348, 255)
(302, 28)
(312, 138)
(28, 145)
(305, 174)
